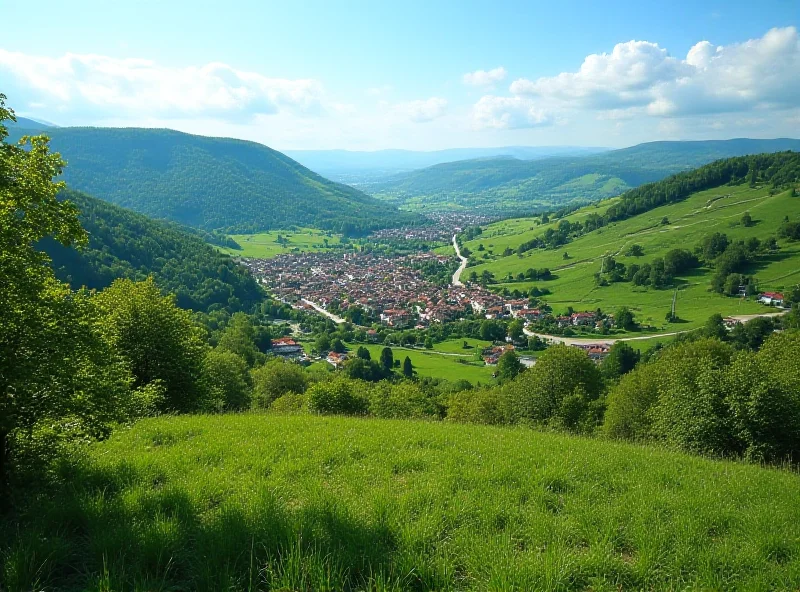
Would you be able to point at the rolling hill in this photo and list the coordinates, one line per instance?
(694, 206)
(211, 183)
(124, 244)
(511, 185)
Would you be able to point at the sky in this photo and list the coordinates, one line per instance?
(419, 75)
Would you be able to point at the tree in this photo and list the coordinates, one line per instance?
(621, 359)
(408, 368)
(361, 369)
(715, 327)
(338, 346)
(624, 319)
(322, 344)
(508, 366)
(54, 362)
(747, 220)
(635, 251)
(227, 381)
(158, 340)
(238, 337)
(387, 360)
(363, 353)
(276, 378)
(336, 397)
(515, 329)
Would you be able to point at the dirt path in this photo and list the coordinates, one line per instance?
(322, 311)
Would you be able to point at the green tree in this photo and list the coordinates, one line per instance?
(322, 344)
(158, 340)
(338, 346)
(363, 353)
(276, 378)
(56, 369)
(635, 250)
(387, 360)
(747, 220)
(227, 381)
(621, 359)
(336, 397)
(508, 366)
(515, 329)
(715, 327)
(361, 369)
(624, 319)
(408, 368)
(238, 337)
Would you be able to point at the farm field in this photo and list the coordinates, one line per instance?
(264, 245)
(265, 502)
(716, 210)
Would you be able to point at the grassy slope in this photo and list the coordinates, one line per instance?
(262, 245)
(690, 221)
(309, 503)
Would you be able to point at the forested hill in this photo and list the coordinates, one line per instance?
(211, 183)
(124, 244)
(507, 183)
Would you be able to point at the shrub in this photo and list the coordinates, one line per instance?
(487, 406)
(336, 397)
(275, 379)
(227, 381)
(404, 400)
(290, 403)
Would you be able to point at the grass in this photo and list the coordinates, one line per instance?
(456, 346)
(260, 502)
(716, 210)
(438, 365)
(264, 245)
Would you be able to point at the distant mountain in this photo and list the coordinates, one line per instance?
(345, 164)
(509, 184)
(29, 124)
(211, 183)
(124, 244)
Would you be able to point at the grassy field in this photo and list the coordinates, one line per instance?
(456, 346)
(717, 210)
(264, 244)
(437, 365)
(303, 503)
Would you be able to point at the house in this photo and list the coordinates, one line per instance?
(731, 322)
(287, 347)
(396, 318)
(336, 360)
(771, 298)
(372, 336)
(582, 318)
(529, 314)
(596, 351)
(491, 355)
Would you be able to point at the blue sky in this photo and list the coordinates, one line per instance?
(418, 75)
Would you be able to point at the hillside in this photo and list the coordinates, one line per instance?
(124, 244)
(509, 184)
(260, 502)
(603, 231)
(211, 183)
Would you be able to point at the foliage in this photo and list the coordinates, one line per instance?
(339, 397)
(408, 368)
(227, 381)
(238, 337)
(508, 366)
(157, 340)
(404, 400)
(484, 406)
(124, 244)
(275, 379)
(621, 359)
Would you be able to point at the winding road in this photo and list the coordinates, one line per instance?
(457, 275)
(322, 311)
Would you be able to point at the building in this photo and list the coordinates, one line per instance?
(771, 298)
(596, 351)
(582, 318)
(287, 347)
(491, 355)
(336, 360)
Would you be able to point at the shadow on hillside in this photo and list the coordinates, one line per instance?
(121, 528)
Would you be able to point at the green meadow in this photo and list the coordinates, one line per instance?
(307, 503)
(265, 245)
(716, 210)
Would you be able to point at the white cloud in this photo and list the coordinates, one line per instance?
(761, 73)
(104, 85)
(508, 113)
(421, 111)
(484, 78)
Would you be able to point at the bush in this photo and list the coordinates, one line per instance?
(290, 403)
(488, 406)
(227, 382)
(405, 400)
(336, 397)
(275, 379)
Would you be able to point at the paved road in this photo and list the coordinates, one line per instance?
(464, 260)
(611, 341)
(321, 310)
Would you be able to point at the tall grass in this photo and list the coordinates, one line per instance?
(260, 502)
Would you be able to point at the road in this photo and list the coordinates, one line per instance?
(457, 275)
(612, 341)
(322, 311)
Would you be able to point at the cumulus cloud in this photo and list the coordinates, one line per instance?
(495, 112)
(421, 111)
(761, 73)
(484, 78)
(105, 85)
